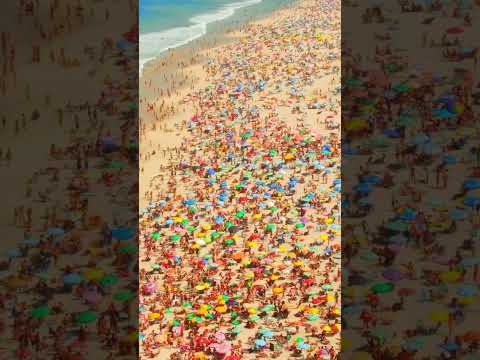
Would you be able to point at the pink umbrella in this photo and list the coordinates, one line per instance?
(223, 348)
(220, 336)
(92, 297)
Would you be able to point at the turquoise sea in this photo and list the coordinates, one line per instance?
(167, 24)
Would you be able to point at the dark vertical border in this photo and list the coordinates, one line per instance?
(69, 170)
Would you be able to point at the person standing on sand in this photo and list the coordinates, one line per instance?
(8, 156)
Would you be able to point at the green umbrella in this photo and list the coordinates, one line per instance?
(236, 322)
(156, 235)
(382, 288)
(254, 317)
(128, 249)
(40, 312)
(156, 266)
(191, 229)
(270, 226)
(300, 225)
(268, 308)
(108, 280)
(175, 237)
(86, 317)
(229, 241)
(228, 224)
(123, 295)
(354, 82)
(116, 165)
(397, 225)
(240, 214)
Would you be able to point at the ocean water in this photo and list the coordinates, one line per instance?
(167, 24)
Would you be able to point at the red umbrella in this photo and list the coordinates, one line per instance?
(232, 357)
(455, 30)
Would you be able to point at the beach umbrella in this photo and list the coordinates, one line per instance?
(109, 280)
(397, 225)
(414, 344)
(30, 242)
(471, 184)
(260, 342)
(13, 253)
(122, 233)
(93, 274)
(457, 215)
(471, 201)
(127, 249)
(382, 288)
(469, 261)
(467, 290)
(420, 139)
(455, 30)
(86, 317)
(55, 231)
(72, 279)
(393, 274)
(40, 312)
(450, 276)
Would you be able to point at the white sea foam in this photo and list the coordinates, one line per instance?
(155, 43)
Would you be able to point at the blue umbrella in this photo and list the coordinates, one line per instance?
(457, 215)
(260, 342)
(467, 290)
(471, 184)
(391, 133)
(450, 346)
(472, 201)
(420, 139)
(431, 149)
(267, 333)
(14, 253)
(364, 187)
(72, 279)
(372, 179)
(469, 262)
(414, 344)
(30, 242)
(408, 215)
(303, 346)
(55, 231)
(449, 159)
(122, 233)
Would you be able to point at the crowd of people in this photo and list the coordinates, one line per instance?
(68, 286)
(411, 153)
(240, 241)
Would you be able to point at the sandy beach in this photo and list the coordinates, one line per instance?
(240, 189)
(55, 254)
(410, 214)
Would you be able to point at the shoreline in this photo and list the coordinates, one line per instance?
(181, 121)
(216, 34)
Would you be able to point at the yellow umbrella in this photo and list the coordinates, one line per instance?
(450, 276)
(221, 309)
(93, 274)
(356, 124)
(153, 316)
(468, 300)
(438, 316)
